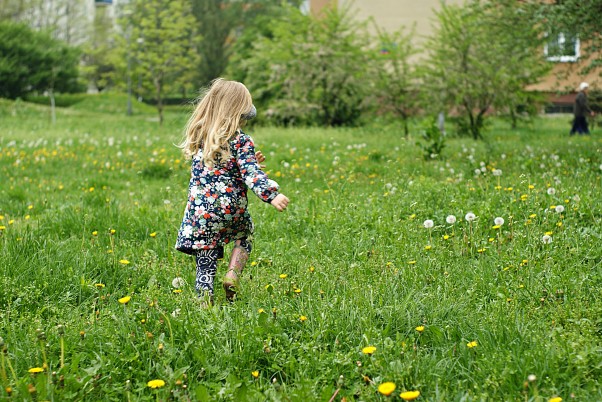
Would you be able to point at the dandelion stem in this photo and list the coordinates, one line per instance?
(62, 352)
(10, 366)
(3, 369)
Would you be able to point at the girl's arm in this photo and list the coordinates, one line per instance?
(255, 178)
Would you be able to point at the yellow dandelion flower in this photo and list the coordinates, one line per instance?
(30, 207)
(35, 370)
(427, 248)
(386, 388)
(409, 395)
(155, 384)
(302, 318)
(1, 217)
(112, 231)
(559, 224)
(472, 344)
(368, 350)
(124, 262)
(481, 250)
(261, 311)
(420, 328)
(125, 299)
(533, 216)
(549, 233)
(255, 374)
(311, 269)
(297, 290)
(495, 227)
(100, 285)
(91, 189)
(2, 227)
(95, 233)
(154, 234)
(491, 240)
(445, 237)
(254, 263)
(412, 262)
(531, 186)
(10, 222)
(27, 217)
(555, 399)
(177, 290)
(283, 276)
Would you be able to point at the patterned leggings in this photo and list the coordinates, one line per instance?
(206, 266)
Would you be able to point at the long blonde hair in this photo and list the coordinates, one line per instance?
(216, 119)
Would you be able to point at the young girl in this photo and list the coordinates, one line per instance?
(224, 166)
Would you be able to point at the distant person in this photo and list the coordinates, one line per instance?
(581, 110)
(224, 166)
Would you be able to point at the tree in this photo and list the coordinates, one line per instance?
(34, 62)
(310, 70)
(396, 88)
(158, 35)
(220, 24)
(481, 57)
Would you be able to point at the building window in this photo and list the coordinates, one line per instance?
(305, 7)
(562, 47)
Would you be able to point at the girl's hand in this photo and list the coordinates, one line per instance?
(260, 159)
(280, 202)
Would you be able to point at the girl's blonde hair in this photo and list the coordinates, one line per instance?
(216, 119)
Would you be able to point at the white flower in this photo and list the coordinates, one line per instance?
(551, 190)
(477, 172)
(450, 219)
(499, 221)
(187, 231)
(531, 377)
(177, 282)
(428, 224)
(546, 239)
(559, 209)
(470, 217)
(497, 172)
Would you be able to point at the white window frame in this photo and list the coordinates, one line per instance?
(563, 59)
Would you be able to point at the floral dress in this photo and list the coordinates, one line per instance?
(216, 212)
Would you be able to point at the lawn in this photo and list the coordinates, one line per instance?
(346, 292)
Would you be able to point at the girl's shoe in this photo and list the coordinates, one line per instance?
(231, 284)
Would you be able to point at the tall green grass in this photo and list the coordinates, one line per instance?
(89, 212)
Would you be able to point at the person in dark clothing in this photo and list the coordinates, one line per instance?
(581, 111)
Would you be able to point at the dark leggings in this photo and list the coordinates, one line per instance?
(206, 266)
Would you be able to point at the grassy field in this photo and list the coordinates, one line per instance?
(469, 311)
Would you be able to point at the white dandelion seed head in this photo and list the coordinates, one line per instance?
(483, 169)
(546, 239)
(497, 172)
(499, 221)
(477, 172)
(551, 190)
(428, 223)
(451, 219)
(178, 282)
(470, 217)
(559, 209)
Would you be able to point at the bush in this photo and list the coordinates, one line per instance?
(318, 69)
(34, 62)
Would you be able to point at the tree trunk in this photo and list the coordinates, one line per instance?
(159, 89)
(52, 106)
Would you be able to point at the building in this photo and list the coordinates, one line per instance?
(562, 50)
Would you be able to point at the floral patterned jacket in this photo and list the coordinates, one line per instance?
(216, 212)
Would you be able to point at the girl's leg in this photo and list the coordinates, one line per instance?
(240, 255)
(206, 268)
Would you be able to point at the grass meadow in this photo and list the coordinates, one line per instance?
(347, 295)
